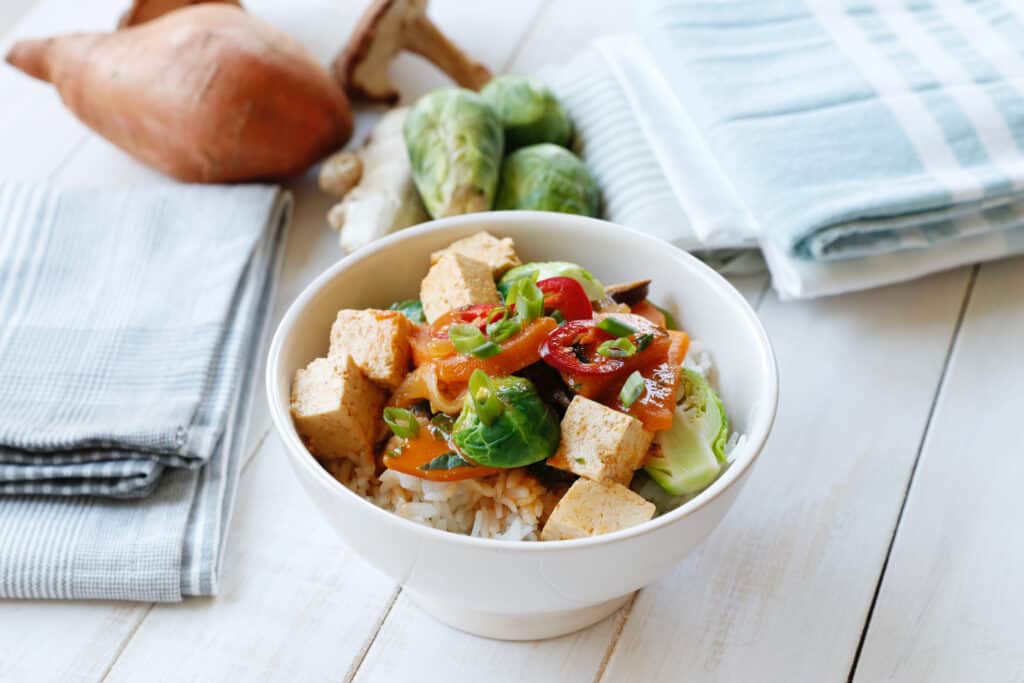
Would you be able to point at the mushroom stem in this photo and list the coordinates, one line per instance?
(426, 40)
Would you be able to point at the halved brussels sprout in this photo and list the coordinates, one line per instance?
(546, 269)
(455, 143)
(504, 423)
(528, 110)
(691, 452)
(547, 177)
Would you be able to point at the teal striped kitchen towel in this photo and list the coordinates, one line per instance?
(858, 142)
(129, 318)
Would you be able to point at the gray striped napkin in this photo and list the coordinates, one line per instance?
(128, 320)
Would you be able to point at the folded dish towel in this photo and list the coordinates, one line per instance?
(128, 320)
(858, 142)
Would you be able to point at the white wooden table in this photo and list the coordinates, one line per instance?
(878, 539)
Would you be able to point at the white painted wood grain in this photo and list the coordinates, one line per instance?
(295, 604)
(951, 600)
(413, 646)
(780, 590)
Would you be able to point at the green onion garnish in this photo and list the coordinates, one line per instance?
(528, 299)
(402, 422)
(469, 340)
(499, 327)
(643, 341)
(614, 326)
(484, 396)
(617, 348)
(632, 389)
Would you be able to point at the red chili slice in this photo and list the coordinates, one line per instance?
(568, 296)
(572, 348)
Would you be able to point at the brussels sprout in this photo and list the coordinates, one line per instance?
(691, 452)
(547, 177)
(528, 110)
(504, 423)
(546, 269)
(455, 141)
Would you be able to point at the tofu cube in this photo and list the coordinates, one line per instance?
(591, 508)
(337, 411)
(378, 342)
(600, 443)
(498, 254)
(456, 281)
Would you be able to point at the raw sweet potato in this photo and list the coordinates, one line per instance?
(207, 93)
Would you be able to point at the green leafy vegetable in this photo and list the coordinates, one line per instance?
(542, 270)
(613, 325)
(527, 298)
(525, 430)
(402, 422)
(455, 143)
(547, 177)
(411, 309)
(632, 389)
(446, 461)
(691, 452)
(441, 426)
(617, 348)
(469, 340)
(528, 111)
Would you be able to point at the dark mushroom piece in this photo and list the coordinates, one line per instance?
(629, 293)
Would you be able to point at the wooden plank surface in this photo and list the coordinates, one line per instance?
(951, 602)
(781, 590)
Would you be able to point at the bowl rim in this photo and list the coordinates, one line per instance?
(747, 452)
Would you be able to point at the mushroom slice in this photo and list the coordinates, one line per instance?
(387, 28)
(629, 293)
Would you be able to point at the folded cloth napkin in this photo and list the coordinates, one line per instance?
(859, 142)
(129, 317)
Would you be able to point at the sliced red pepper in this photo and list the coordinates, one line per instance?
(566, 295)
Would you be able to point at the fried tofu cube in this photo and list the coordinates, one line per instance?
(378, 342)
(337, 410)
(498, 254)
(456, 281)
(591, 508)
(600, 443)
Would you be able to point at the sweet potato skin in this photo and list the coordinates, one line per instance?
(206, 93)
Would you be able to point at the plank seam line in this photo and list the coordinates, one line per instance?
(360, 657)
(944, 375)
(627, 611)
(124, 643)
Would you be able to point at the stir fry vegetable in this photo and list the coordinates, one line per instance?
(528, 111)
(691, 451)
(546, 270)
(504, 423)
(547, 177)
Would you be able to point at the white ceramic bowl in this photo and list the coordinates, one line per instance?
(527, 590)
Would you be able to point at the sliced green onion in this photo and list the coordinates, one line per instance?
(528, 299)
(501, 328)
(402, 422)
(613, 325)
(632, 389)
(441, 425)
(445, 461)
(643, 341)
(469, 340)
(484, 397)
(557, 315)
(617, 348)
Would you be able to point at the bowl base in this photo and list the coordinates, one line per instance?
(517, 626)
